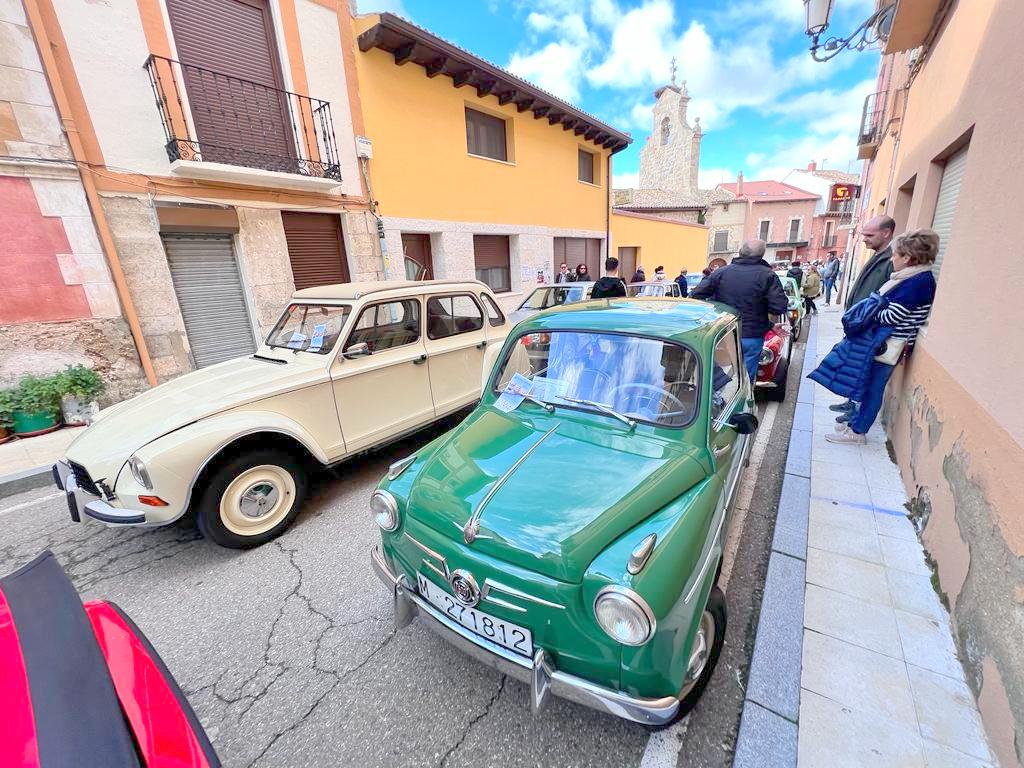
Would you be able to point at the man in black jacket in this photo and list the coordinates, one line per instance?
(610, 286)
(877, 234)
(749, 286)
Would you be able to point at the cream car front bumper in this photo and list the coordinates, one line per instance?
(81, 501)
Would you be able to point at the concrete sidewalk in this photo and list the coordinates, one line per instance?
(854, 661)
(25, 463)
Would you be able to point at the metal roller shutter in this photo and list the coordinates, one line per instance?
(945, 206)
(491, 254)
(579, 250)
(315, 249)
(210, 295)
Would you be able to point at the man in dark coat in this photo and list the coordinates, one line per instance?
(684, 289)
(877, 234)
(638, 276)
(564, 275)
(749, 286)
(796, 273)
(610, 286)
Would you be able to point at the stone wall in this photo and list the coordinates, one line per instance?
(263, 258)
(103, 344)
(671, 165)
(362, 245)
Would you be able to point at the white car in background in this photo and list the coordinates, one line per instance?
(551, 295)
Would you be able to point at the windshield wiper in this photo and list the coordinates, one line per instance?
(543, 404)
(602, 408)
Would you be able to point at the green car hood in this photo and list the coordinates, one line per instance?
(556, 503)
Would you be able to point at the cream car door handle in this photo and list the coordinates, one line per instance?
(420, 360)
(481, 345)
(722, 451)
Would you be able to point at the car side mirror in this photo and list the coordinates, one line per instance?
(354, 351)
(743, 423)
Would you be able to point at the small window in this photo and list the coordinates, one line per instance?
(725, 374)
(762, 231)
(722, 240)
(491, 257)
(666, 131)
(586, 170)
(794, 230)
(388, 325)
(452, 315)
(485, 135)
(494, 314)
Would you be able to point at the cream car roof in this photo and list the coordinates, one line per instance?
(357, 290)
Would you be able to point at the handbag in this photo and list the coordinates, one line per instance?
(892, 351)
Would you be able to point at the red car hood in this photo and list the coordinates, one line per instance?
(81, 685)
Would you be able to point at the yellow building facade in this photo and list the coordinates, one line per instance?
(650, 241)
(475, 172)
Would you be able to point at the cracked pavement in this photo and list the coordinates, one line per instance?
(288, 653)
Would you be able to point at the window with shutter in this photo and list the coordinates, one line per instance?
(586, 166)
(419, 263)
(721, 240)
(491, 255)
(794, 230)
(945, 206)
(485, 135)
(763, 230)
(315, 248)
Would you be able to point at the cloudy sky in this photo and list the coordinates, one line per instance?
(765, 105)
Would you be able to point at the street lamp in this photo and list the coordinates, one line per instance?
(874, 28)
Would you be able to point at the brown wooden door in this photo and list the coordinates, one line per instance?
(627, 261)
(233, 81)
(315, 248)
(419, 264)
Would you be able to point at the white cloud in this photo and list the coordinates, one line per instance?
(709, 178)
(540, 21)
(556, 68)
(605, 13)
(628, 180)
(837, 151)
(827, 111)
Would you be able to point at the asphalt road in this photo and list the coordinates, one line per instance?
(289, 657)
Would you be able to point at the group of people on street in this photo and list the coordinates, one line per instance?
(578, 275)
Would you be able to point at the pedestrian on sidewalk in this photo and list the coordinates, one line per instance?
(611, 285)
(877, 235)
(749, 285)
(811, 289)
(564, 275)
(796, 273)
(638, 276)
(880, 332)
(829, 273)
(582, 275)
(684, 289)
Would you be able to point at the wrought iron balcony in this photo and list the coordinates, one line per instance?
(872, 125)
(212, 117)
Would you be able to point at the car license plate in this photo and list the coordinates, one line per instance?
(504, 633)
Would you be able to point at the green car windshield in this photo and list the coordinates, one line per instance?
(645, 379)
(544, 298)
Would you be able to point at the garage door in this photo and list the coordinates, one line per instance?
(627, 261)
(579, 250)
(315, 248)
(945, 206)
(210, 295)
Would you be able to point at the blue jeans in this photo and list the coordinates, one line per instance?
(866, 411)
(829, 284)
(751, 354)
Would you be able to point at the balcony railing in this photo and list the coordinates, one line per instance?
(212, 117)
(844, 208)
(872, 123)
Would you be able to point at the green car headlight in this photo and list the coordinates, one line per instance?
(385, 510)
(624, 615)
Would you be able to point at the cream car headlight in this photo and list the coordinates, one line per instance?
(140, 473)
(385, 510)
(624, 615)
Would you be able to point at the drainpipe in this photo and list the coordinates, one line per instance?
(44, 46)
(607, 213)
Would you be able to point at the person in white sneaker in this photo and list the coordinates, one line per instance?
(905, 301)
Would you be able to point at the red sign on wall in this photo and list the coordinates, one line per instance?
(844, 193)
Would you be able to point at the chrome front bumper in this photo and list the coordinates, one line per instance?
(82, 502)
(539, 673)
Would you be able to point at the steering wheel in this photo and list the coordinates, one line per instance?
(652, 394)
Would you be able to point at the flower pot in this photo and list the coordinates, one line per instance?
(31, 422)
(78, 412)
(4, 435)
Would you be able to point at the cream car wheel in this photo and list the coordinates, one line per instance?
(257, 500)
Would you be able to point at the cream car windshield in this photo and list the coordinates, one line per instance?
(309, 328)
(640, 378)
(545, 298)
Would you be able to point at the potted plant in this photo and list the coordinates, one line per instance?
(36, 405)
(6, 414)
(79, 388)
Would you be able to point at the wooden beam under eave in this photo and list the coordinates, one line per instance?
(404, 53)
(610, 143)
(506, 97)
(569, 123)
(525, 104)
(437, 67)
(371, 38)
(581, 128)
(591, 133)
(555, 118)
(601, 137)
(460, 79)
(540, 112)
(486, 88)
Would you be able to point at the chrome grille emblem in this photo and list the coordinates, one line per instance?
(465, 588)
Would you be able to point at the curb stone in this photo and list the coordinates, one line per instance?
(26, 480)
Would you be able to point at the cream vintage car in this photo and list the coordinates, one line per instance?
(347, 368)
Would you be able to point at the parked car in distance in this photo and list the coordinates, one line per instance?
(570, 536)
(773, 366)
(668, 288)
(551, 295)
(82, 686)
(796, 304)
(693, 280)
(347, 368)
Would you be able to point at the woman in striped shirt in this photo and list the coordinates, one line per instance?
(909, 294)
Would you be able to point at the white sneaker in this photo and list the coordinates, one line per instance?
(846, 436)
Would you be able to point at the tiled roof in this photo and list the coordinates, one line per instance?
(836, 177)
(769, 190)
(662, 199)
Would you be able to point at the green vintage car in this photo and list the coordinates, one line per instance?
(571, 535)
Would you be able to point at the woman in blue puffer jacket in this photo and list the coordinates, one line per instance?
(880, 332)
